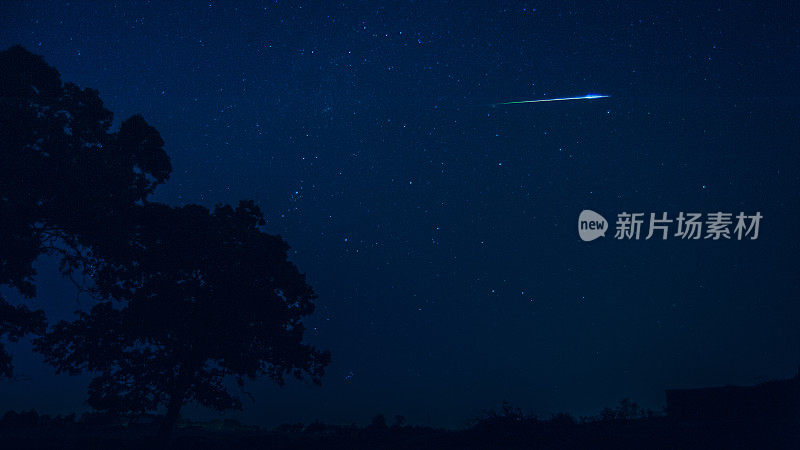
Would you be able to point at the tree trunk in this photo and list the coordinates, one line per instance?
(173, 411)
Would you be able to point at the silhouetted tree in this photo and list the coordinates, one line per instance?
(194, 297)
(66, 181)
(15, 322)
(23, 419)
(378, 422)
(315, 427)
(399, 421)
(625, 410)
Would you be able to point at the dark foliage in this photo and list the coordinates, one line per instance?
(194, 296)
(15, 322)
(65, 178)
(624, 411)
(186, 296)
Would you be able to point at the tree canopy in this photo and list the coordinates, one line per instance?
(65, 178)
(201, 295)
(186, 297)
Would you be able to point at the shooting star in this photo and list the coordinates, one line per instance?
(585, 97)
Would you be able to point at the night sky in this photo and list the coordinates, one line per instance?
(440, 231)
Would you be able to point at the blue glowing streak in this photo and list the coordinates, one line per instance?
(585, 97)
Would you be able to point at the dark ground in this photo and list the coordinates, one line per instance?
(657, 433)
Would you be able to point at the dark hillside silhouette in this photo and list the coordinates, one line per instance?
(777, 399)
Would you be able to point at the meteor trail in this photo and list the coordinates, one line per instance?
(585, 97)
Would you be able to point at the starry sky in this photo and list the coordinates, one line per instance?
(440, 231)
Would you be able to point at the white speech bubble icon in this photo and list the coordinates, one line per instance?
(591, 225)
